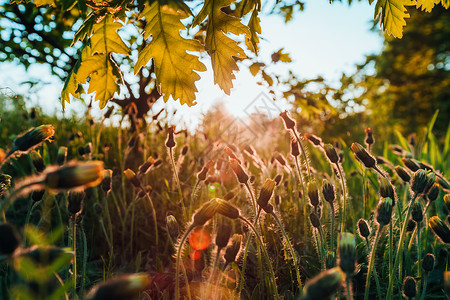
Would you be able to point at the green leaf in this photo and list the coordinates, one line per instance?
(222, 49)
(106, 39)
(393, 14)
(174, 67)
(427, 5)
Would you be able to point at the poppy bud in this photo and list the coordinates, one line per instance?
(347, 252)
(266, 192)
(409, 287)
(106, 183)
(402, 173)
(37, 161)
(419, 181)
(170, 141)
(331, 153)
(277, 200)
(9, 239)
(88, 148)
(75, 202)
(268, 208)
(61, 157)
(313, 193)
(32, 138)
(36, 196)
(363, 227)
(295, 151)
(428, 262)
(384, 211)
(440, 229)
(324, 285)
(315, 221)
(239, 171)
(411, 164)
(121, 287)
(417, 212)
(146, 165)
(386, 189)
(229, 196)
(369, 137)
(278, 179)
(75, 175)
(289, 123)
(184, 150)
(172, 226)
(328, 191)
(363, 156)
(314, 139)
(205, 213)
(233, 250)
(433, 192)
(131, 176)
(223, 234)
(227, 209)
(410, 226)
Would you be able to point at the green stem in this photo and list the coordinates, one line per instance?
(155, 223)
(11, 197)
(172, 161)
(425, 280)
(247, 186)
(371, 263)
(419, 257)
(303, 153)
(349, 288)
(344, 193)
(177, 264)
(74, 264)
(297, 271)
(266, 256)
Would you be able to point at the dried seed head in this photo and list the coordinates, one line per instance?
(75, 202)
(433, 192)
(324, 285)
(205, 213)
(347, 252)
(106, 183)
(172, 227)
(409, 287)
(446, 201)
(295, 151)
(363, 228)
(37, 161)
(419, 181)
(170, 141)
(61, 157)
(331, 153)
(239, 171)
(223, 234)
(313, 193)
(227, 209)
(33, 138)
(120, 288)
(369, 136)
(386, 189)
(440, 229)
(75, 175)
(278, 179)
(363, 156)
(384, 211)
(411, 164)
(233, 250)
(289, 123)
(417, 212)
(131, 176)
(410, 226)
(328, 191)
(266, 192)
(428, 262)
(402, 173)
(9, 239)
(314, 139)
(315, 221)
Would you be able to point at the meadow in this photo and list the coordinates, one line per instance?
(91, 209)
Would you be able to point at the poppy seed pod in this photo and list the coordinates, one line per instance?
(123, 287)
(289, 123)
(172, 227)
(347, 252)
(363, 228)
(363, 156)
(417, 212)
(32, 138)
(419, 181)
(205, 213)
(313, 193)
(9, 239)
(411, 164)
(233, 250)
(38, 161)
(131, 176)
(402, 173)
(75, 175)
(409, 287)
(223, 234)
(315, 221)
(295, 151)
(331, 153)
(170, 141)
(384, 211)
(61, 157)
(239, 171)
(314, 139)
(386, 189)
(369, 136)
(266, 192)
(324, 285)
(227, 209)
(428, 262)
(328, 191)
(440, 229)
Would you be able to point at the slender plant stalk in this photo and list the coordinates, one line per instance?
(371, 263)
(424, 291)
(74, 264)
(83, 270)
(297, 271)
(399, 253)
(375, 274)
(419, 257)
(300, 177)
(303, 153)
(175, 172)
(183, 268)
(177, 279)
(255, 208)
(349, 288)
(4, 205)
(344, 194)
(266, 255)
(155, 223)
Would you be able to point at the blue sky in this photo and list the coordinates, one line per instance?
(325, 39)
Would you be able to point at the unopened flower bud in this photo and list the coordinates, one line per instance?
(170, 141)
(447, 201)
(75, 202)
(227, 209)
(131, 176)
(328, 191)
(233, 250)
(313, 193)
(223, 234)
(268, 208)
(417, 212)
(106, 183)
(363, 156)
(184, 150)
(38, 161)
(314, 139)
(205, 213)
(315, 221)
(9, 239)
(278, 179)
(324, 285)
(363, 227)
(37, 196)
(402, 173)
(172, 226)
(369, 136)
(410, 226)
(419, 181)
(121, 287)
(440, 229)
(289, 123)
(386, 189)
(384, 211)
(5, 183)
(228, 196)
(32, 138)
(409, 287)
(433, 192)
(88, 148)
(331, 153)
(75, 175)
(428, 262)
(266, 192)
(61, 157)
(411, 164)
(277, 200)
(239, 171)
(295, 151)
(443, 182)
